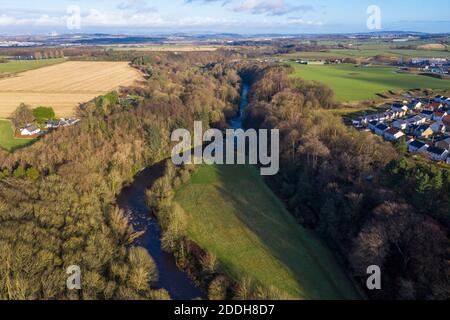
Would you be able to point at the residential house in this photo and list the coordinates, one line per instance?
(399, 107)
(444, 144)
(409, 139)
(427, 114)
(417, 146)
(400, 124)
(416, 120)
(439, 115)
(438, 98)
(72, 121)
(446, 121)
(415, 105)
(393, 134)
(372, 125)
(423, 131)
(380, 129)
(436, 106)
(438, 127)
(30, 130)
(437, 154)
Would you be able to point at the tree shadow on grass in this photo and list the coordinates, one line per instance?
(297, 249)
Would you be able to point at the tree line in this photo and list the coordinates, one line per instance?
(57, 197)
(372, 205)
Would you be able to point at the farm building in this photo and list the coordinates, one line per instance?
(399, 107)
(30, 130)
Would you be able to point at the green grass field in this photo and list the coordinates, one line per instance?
(353, 83)
(7, 139)
(233, 214)
(12, 67)
(365, 51)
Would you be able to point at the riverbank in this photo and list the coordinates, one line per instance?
(132, 201)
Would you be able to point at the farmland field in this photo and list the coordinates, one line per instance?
(7, 139)
(368, 52)
(21, 66)
(167, 48)
(64, 86)
(353, 83)
(254, 236)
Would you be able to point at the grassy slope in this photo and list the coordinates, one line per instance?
(235, 215)
(21, 66)
(352, 83)
(7, 139)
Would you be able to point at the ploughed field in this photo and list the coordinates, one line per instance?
(232, 213)
(64, 86)
(355, 83)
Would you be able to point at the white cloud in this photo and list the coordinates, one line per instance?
(127, 17)
(271, 7)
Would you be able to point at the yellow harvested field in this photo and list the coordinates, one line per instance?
(64, 86)
(433, 46)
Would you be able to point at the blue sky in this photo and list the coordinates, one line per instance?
(240, 16)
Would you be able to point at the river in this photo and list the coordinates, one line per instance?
(132, 201)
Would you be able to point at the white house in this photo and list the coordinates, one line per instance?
(393, 134)
(399, 107)
(417, 120)
(437, 154)
(417, 147)
(30, 130)
(400, 124)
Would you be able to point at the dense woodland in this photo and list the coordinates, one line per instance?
(57, 197)
(371, 204)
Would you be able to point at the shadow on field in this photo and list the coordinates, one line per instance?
(298, 249)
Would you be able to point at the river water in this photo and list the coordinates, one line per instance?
(132, 201)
